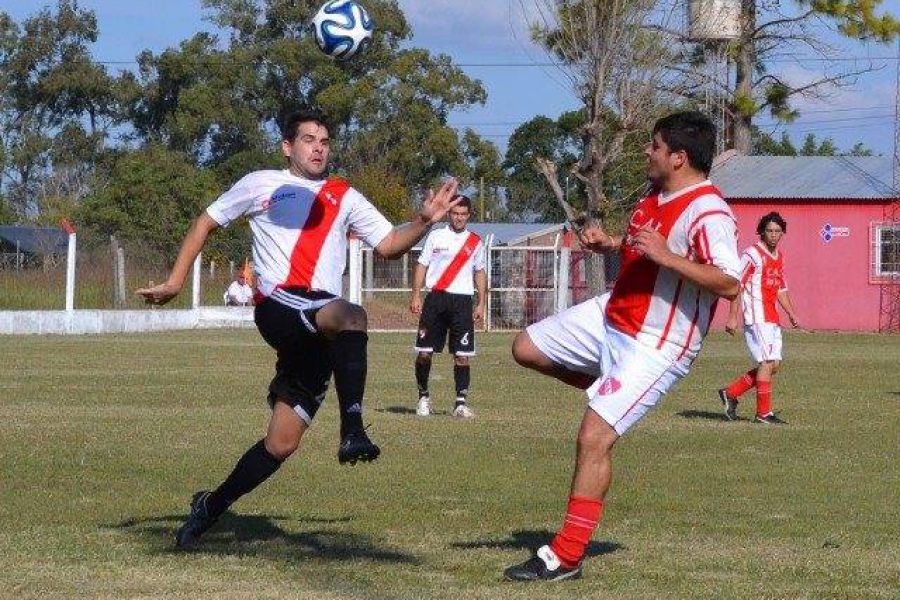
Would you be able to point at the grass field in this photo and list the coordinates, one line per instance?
(103, 440)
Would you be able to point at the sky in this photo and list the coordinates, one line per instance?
(488, 39)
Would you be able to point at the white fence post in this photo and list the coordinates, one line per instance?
(489, 243)
(355, 274)
(562, 285)
(195, 283)
(70, 274)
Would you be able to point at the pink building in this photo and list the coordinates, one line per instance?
(841, 248)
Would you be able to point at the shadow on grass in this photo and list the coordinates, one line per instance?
(705, 414)
(405, 410)
(531, 539)
(241, 534)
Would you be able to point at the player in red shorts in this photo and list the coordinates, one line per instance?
(762, 286)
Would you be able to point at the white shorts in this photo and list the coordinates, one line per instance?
(631, 377)
(763, 341)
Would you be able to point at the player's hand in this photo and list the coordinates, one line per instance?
(731, 326)
(438, 203)
(415, 305)
(478, 314)
(651, 244)
(794, 322)
(159, 294)
(594, 238)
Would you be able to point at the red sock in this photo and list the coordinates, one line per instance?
(763, 398)
(571, 541)
(741, 384)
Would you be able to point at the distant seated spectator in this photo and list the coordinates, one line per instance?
(239, 293)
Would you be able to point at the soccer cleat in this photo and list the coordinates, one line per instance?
(423, 408)
(543, 566)
(769, 419)
(355, 446)
(730, 405)
(462, 411)
(198, 521)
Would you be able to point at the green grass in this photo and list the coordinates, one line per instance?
(104, 438)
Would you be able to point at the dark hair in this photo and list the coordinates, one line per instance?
(464, 201)
(292, 123)
(691, 132)
(772, 217)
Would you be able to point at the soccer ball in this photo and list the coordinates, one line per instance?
(342, 28)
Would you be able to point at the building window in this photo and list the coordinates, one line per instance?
(887, 251)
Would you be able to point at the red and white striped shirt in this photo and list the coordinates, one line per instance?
(655, 305)
(452, 259)
(300, 227)
(762, 277)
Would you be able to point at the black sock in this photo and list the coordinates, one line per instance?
(423, 368)
(349, 357)
(461, 377)
(254, 467)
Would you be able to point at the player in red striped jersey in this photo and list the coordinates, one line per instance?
(450, 260)
(629, 347)
(300, 219)
(762, 286)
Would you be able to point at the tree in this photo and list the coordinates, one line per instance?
(152, 196)
(485, 173)
(615, 54)
(766, 145)
(388, 106)
(781, 28)
(56, 106)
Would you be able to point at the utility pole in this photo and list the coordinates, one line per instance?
(481, 198)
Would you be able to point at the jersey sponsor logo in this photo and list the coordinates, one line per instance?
(464, 340)
(278, 197)
(610, 385)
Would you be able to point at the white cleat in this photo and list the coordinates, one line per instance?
(423, 408)
(463, 411)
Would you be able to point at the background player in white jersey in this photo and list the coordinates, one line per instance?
(762, 286)
(300, 219)
(628, 348)
(450, 259)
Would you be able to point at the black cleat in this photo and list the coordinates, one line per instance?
(543, 566)
(769, 419)
(198, 521)
(355, 446)
(730, 405)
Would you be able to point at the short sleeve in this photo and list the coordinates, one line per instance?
(366, 221)
(425, 254)
(714, 240)
(243, 197)
(478, 261)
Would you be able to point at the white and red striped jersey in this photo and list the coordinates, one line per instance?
(452, 259)
(655, 305)
(762, 277)
(299, 227)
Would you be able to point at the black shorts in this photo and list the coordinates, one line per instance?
(442, 312)
(304, 365)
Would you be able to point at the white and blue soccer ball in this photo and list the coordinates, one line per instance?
(342, 28)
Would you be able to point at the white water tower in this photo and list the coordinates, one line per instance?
(712, 24)
(714, 20)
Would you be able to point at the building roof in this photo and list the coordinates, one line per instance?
(867, 178)
(512, 233)
(35, 240)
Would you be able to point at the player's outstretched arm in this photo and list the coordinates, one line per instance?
(190, 248)
(403, 237)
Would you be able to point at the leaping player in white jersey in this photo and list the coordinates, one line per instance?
(300, 219)
(762, 287)
(629, 347)
(451, 259)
